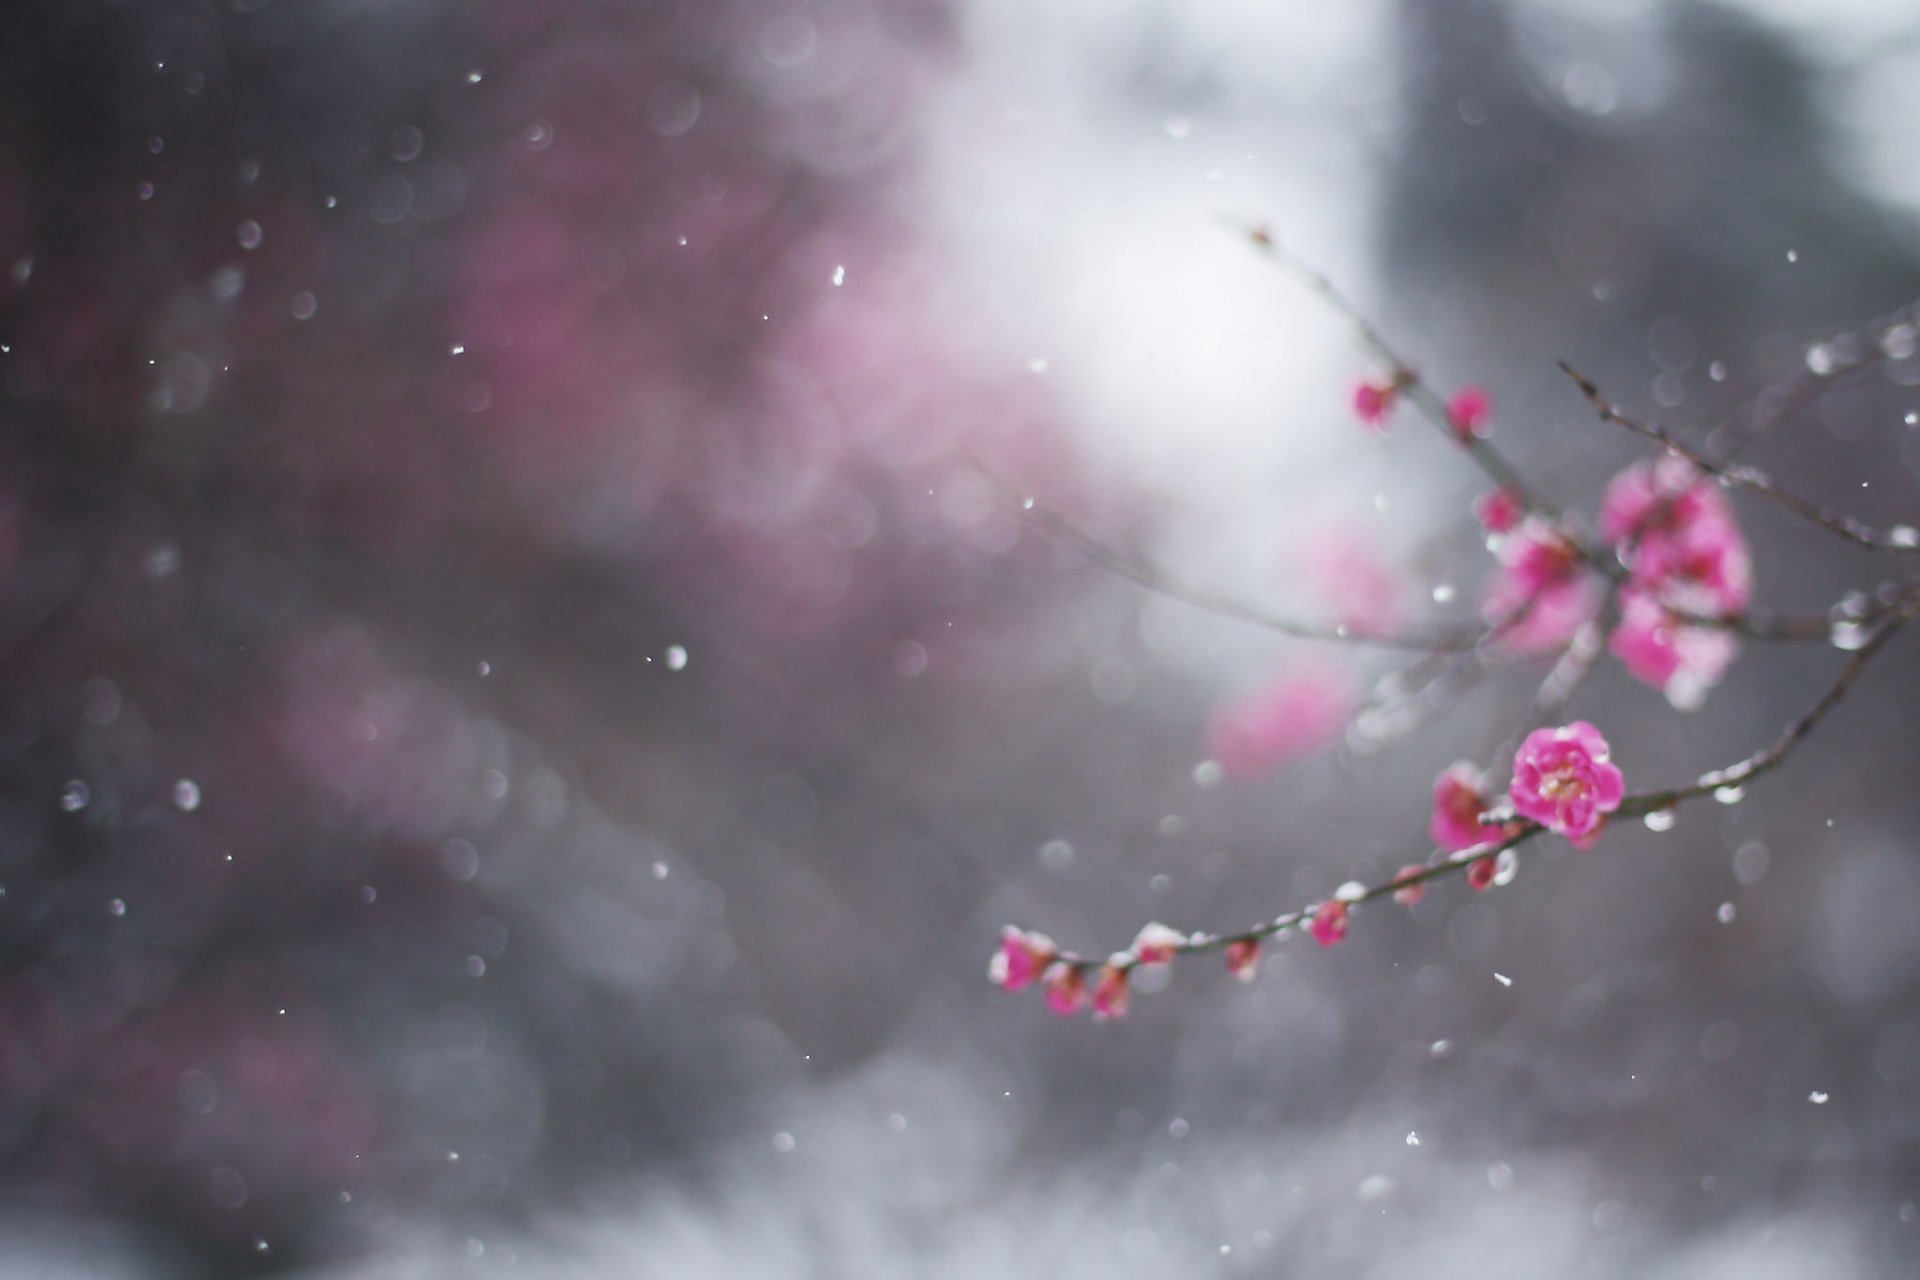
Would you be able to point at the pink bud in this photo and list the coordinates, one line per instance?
(1469, 411)
(1408, 894)
(1459, 798)
(1066, 988)
(1329, 923)
(1110, 992)
(1499, 511)
(1373, 402)
(1021, 958)
(1243, 958)
(1157, 944)
(1480, 874)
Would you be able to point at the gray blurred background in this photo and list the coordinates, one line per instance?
(520, 718)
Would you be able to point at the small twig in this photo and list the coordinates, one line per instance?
(1438, 639)
(1431, 404)
(1848, 353)
(1901, 539)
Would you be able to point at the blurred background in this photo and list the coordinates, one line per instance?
(521, 714)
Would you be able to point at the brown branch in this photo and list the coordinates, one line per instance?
(1443, 863)
(1431, 404)
(1436, 639)
(1902, 538)
(1849, 353)
(1775, 754)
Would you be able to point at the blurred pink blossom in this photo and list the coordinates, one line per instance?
(1469, 411)
(1243, 959)
(1684, 662)
(1459, 798)
(1329, 923)
(1021, 959)
(1373, 403)
(1066, 988)
(1110, 992)
(1289, 717)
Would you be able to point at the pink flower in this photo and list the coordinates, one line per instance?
(1288, 718)
(1676, 533)
(1459, 798)
(1110, 992)
(1344, 570)
(1540, 596)
(1468, 411)
(1329, 923)
(1652, 497)
(1562, 779)
(1538, 556)
(1499, 511)
(1066, 988)
(1373, 402)
(1703, 566)
(1407, 895)
(1480, 873)
(1541, 619)
(1021, 959)
(1157, 944)
(1243, 959)
(1684, 662)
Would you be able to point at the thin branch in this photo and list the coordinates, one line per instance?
(1901, 539)
(1432, 405)
(1775, 754)
(1444, 863)
(1437, 639)
(1892, 336)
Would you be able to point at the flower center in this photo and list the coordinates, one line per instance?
(1562, 781)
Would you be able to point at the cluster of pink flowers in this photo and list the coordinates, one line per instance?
(1673, 530)
(1025, 958)
(1685, 557)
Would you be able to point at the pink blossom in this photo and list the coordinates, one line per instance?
(1373, 402)
(1539, 619)
(1538, 555)
(1157, 944)
(1288, 718)
(1408, 894)
(1468, 411)
(1499, 511)
(1540, 595)
(1459, 798)
(1066, 988)
(1652, 497)
(1563, 780)
(1481, 872)
(1110, 992)
(1021, 959)
(1684, 662)
(1329, 923)
(1677, 535)
(1702, 566)
(1364, 591)
(1243, 958)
